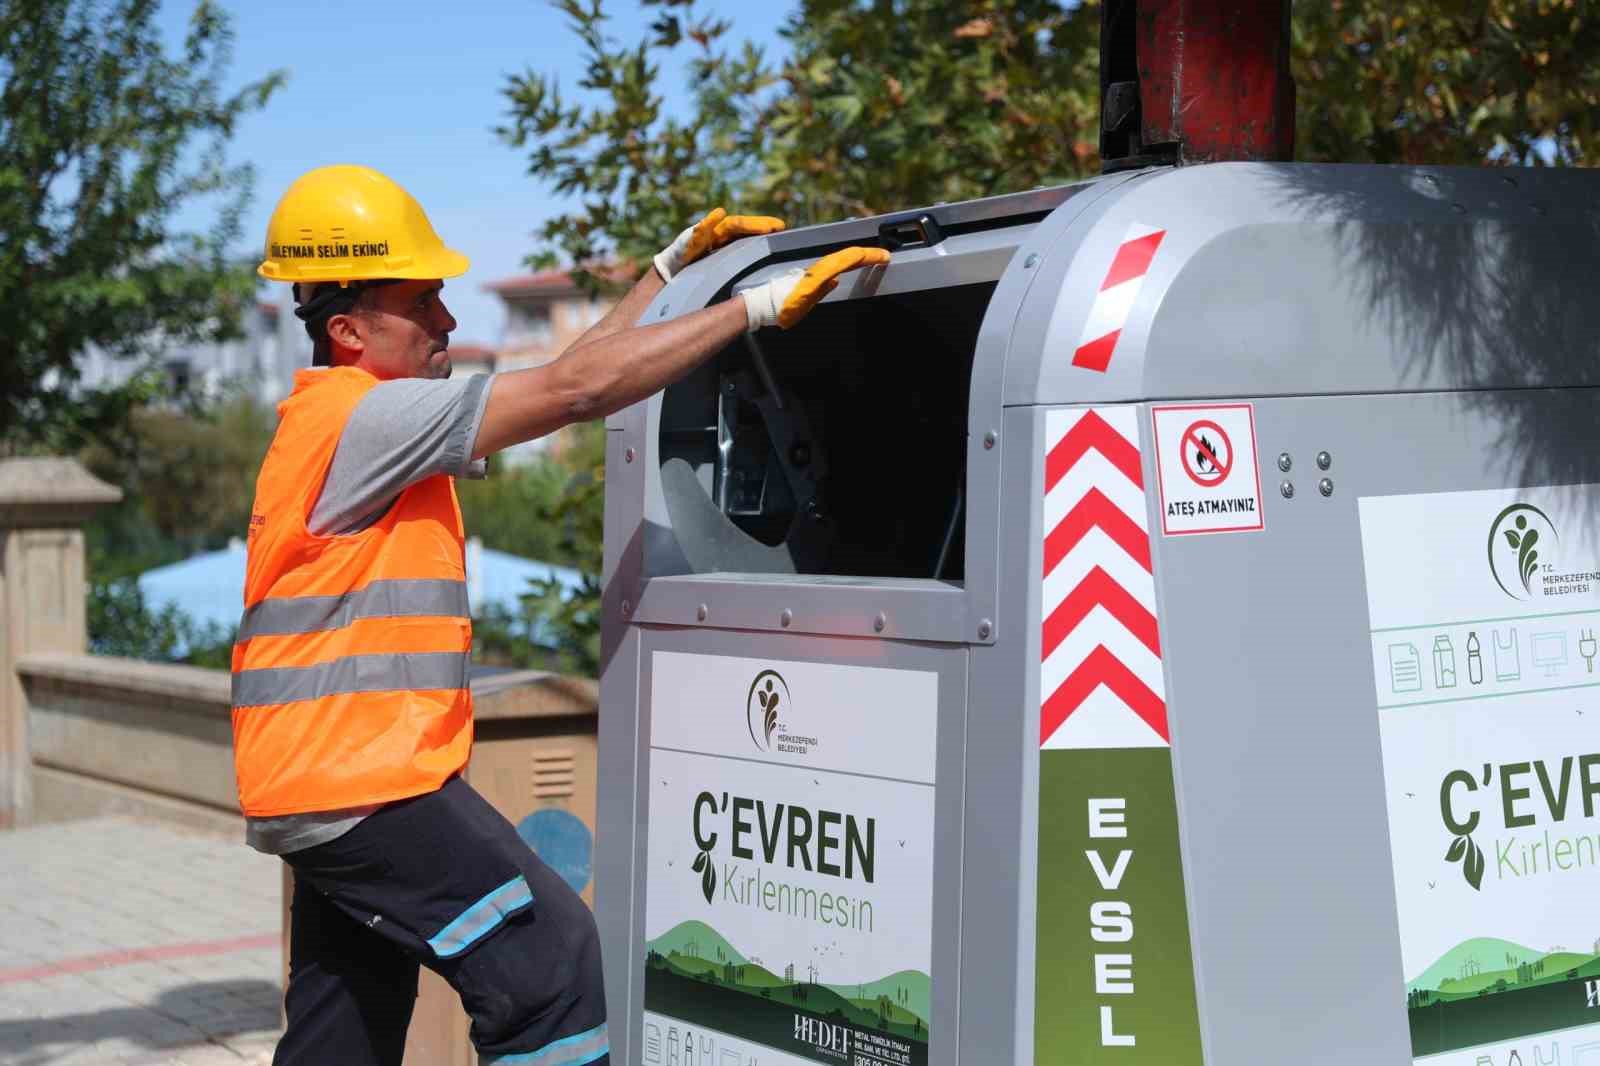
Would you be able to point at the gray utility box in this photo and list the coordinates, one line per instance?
(1152, 621)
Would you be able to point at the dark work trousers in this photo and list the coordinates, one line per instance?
(442, 881)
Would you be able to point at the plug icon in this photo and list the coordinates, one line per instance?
(1587, 648)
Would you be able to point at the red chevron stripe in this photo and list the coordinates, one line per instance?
(1092, 431)
(1099, 589)
(1133, 259)
(1096, 354)
(1100, 667)
(1094, 510)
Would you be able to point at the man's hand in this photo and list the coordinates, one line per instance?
(785, 300)
(709, 234)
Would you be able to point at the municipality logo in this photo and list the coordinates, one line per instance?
(768, 692)
(1521, 538)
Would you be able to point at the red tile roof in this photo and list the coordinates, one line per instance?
(544, 281)
(556, 280)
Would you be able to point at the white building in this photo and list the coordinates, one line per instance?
(262, 362)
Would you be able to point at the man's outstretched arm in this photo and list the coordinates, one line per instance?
(596, 377)
(592, 380)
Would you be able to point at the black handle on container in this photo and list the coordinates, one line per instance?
(922, 229)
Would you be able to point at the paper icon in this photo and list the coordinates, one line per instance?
(1405, 668)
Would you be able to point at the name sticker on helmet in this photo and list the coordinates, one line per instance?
(363, 250)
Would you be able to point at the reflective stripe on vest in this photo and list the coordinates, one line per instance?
(353, 673)
(394, 598)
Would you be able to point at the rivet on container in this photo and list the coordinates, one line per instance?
(879, 622)
(700, 612)
(988, 440)
(1287, 488)
(627, 456)
(1324, 460)
(1325, 486)
(627, 607)
(1031, 262)
(1284, 462)
(785, 618)
(985, 627)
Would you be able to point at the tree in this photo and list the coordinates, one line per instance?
(104, 139)
(1447, 81)
(188, 479)
(887, 105)
(578, 518)
(876, 107)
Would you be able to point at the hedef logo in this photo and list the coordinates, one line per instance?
(1520, 538)
(768, 693)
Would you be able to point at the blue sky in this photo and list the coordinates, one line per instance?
(413, 89)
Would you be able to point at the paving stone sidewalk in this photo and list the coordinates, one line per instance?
(128, 943)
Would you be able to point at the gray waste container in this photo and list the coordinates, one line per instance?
(1152, 621)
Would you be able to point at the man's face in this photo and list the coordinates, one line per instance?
(404, 330)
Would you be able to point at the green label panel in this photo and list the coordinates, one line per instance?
(1115, 977)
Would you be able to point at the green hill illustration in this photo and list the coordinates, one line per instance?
(1487, 989)
(693, 972)
(750, 974)
(1479, 953)
(694, 939)
(909, 989)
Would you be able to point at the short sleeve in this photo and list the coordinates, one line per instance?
(400, 433)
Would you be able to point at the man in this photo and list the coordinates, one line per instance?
(351, 712)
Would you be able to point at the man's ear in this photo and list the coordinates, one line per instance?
(345, 333)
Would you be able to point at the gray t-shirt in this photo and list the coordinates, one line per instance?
(401, 432)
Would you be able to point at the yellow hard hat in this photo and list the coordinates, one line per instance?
(349, 223)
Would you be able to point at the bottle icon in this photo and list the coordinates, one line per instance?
(1444, 662)
(1474, 659)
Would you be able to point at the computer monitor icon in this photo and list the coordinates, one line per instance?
(1550, 652)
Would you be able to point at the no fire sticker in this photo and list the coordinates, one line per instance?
(1206, 464)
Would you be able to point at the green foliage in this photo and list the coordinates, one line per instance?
(883, 105)
(1447, 81)
(888, 105)
(578, 517)
(104, 139)
(876, 107)
(552, 509)
(120, 623)
(188, 479)
(502, 508)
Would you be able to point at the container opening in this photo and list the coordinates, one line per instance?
(835, 448)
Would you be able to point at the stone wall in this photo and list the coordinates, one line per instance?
(84, 735)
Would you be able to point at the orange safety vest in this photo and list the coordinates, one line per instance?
(350, 667)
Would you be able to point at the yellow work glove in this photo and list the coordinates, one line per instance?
(709, 234)
(787, 299)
